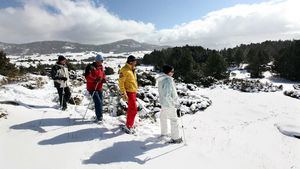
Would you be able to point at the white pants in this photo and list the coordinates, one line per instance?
(165, 114)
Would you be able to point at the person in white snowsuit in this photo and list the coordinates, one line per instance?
(168, 99)
(60, 75)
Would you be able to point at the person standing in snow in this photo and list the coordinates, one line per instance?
(60, 75)
(168, 99)
(128, 86)
(95, 77)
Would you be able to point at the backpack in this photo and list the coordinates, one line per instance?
(88, 69)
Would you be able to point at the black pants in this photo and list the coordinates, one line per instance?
(64, 96)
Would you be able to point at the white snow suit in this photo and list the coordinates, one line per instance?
(168, 99)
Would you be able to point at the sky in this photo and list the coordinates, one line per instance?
(210, 23)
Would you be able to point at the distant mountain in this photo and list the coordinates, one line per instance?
(48, 47)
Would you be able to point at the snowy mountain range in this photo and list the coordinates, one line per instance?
(48, 47)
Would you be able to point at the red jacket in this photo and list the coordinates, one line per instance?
(91, 79)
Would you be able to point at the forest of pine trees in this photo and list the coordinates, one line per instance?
(192, 63)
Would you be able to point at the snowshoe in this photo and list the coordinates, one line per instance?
(175, 141)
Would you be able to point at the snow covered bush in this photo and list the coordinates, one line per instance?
(292, 93)
(192, 104)
(252, 86)
(296, 86)
(32, 81)
(145, 78)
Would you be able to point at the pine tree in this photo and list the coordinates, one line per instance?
(215, 66)
(7, 68)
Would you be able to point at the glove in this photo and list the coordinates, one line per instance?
(98, 79)
(124, 97)
(63, 78)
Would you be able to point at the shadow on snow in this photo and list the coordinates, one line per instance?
(36, 125)
(82, 135)
(125, 151)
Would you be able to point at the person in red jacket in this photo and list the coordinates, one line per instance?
(95, 77)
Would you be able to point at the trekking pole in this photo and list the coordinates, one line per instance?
(62, 98)
(90, 101)
(185, 143)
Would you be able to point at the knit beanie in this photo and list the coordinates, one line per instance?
(99, 58)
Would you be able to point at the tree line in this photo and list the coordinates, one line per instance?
(194, 63)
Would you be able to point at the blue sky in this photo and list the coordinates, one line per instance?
(210, 23)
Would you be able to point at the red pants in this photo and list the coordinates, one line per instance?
(132, 109)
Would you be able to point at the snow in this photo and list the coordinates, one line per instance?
(239, 130)
(289, 130)
(34, 59)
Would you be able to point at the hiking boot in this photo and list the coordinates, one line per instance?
(98, 121)
(128, 130)
(175, 141)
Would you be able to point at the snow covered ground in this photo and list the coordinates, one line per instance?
(238, 131)
(35, 59)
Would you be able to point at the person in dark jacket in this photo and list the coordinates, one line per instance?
(60, 75)
(95, 77)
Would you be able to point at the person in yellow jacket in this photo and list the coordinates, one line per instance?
(128, 87)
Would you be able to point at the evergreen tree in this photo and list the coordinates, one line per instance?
(288, 62)
(256, 60)
(215, 66)
(238, 56)
(7, 68)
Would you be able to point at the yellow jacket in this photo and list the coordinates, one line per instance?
(127, 79)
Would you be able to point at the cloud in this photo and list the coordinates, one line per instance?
(228, 27)
(84, 22)
(79, 21)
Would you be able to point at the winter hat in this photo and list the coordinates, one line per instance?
(60, 58)
(131, 58)
(167, 69)
(99, 58)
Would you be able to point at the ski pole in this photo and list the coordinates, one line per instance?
(90, 101)
(185, 143)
